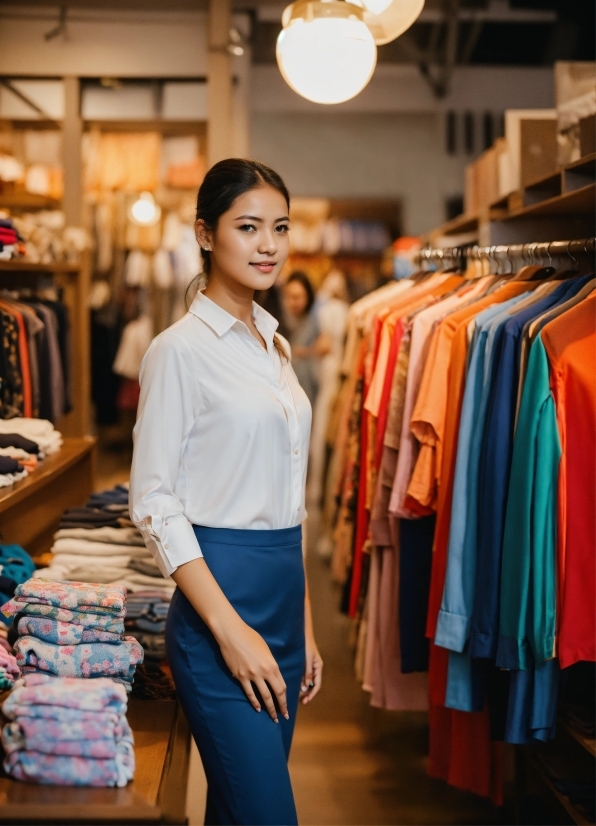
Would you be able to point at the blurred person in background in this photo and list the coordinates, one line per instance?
(331, 308)
(307, 341)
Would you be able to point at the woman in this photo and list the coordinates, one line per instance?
(308, 345)
(217, 490)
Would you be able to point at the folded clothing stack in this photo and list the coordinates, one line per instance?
(99, 543)
(73, 629)
(16, 566)
(146, 614)
(34, 436)
(9, 670)
(11, 243)
(68, 732)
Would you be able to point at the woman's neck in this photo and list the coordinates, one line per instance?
(234, 298)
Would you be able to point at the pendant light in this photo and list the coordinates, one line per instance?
(145, 212)
(325, 51)
(387, 19)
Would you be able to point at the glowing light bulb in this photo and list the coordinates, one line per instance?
(325, 52)
(145, 212)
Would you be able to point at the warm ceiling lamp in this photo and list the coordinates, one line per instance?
(387, 19)
(145, 212)
(325, 51)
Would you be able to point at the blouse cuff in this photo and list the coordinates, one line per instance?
(171, 540)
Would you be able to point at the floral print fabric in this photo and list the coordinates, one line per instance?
(68, 731)
(83, 597)
(87, 620)
(84, 660)
(64, 633)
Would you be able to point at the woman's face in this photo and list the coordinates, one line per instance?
(250, 244)
(295, 298)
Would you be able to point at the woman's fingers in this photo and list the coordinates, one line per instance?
(249, 691)
(267, 698)
(279, 689)
(312, 681)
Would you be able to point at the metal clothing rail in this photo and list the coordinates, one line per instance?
(530, 253)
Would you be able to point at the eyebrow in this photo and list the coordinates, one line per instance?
(260, 220)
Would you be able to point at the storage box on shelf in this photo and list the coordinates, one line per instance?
(561, 204)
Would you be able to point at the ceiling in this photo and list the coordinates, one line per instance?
(495, 32)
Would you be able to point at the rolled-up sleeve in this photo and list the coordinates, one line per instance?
(168, 408)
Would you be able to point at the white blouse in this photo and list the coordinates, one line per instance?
(222, 434)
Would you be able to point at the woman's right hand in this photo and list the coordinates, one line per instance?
(250, 660)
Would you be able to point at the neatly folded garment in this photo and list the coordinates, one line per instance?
(85, 695)
(63, 633)
(61, 770)
(77, 596)
(87, 620)
(85, 547)
(114, 536)
(89, 660)
(77, 738)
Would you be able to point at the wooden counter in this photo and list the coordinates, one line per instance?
(156, 795)
(30, 510)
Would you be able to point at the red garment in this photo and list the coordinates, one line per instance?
(570, 343)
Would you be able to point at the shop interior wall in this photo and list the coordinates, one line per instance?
(390, 140)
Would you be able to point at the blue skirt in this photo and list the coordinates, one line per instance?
(244, 753)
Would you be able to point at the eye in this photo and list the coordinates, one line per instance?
(282, 228)
(247, 227)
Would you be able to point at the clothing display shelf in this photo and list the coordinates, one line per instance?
(30, 509)
(72, 282)
(156, 795)
(560, 204)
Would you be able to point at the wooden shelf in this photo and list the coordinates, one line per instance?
(577, 202)
(20, 266)
(30, 510)
(26, 200)
(157, 793)
(574, 813)
(587, 743)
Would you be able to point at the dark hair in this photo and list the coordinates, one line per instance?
(303, 279)
(223, 183)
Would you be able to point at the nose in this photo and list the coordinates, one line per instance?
(267, 242)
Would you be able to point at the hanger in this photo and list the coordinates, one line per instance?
(571, 271)
(535, 272)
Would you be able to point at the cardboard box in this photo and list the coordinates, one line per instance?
(538, 149)
(528, 160)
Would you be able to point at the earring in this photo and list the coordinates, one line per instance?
(207, 248)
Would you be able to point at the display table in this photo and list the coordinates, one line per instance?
(156, 795)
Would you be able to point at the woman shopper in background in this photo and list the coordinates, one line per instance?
(307, 342)
(217, 490)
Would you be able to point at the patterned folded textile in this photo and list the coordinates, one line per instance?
(84, 738)
(92, 660)
(63, 633)
(103, 621)
(84, 597)
(106, 719)
(6, 679)
(9, 663)
(101, 694)
(61, 770)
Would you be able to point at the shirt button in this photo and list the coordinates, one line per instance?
(296, 451)
(166, 547)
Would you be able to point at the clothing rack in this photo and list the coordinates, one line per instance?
(526, 253)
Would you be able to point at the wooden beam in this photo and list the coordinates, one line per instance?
(72, 136)
(219, 84)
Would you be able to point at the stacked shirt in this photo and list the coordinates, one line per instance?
(11, 243)
(68, 732)
(73, 629)
(99, 543)
(146, 614)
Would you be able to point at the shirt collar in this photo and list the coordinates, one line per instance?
(221, 321)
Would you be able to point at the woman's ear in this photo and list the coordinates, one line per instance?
(203, 235)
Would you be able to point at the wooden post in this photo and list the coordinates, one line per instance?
(219, 88)
(72, 135)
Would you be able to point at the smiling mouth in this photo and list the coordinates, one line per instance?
(264, 265)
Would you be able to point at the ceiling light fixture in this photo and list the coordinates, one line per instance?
(145, 212)
(325, 51)
(387, 19)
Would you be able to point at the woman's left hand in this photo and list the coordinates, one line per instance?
(313, 672)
